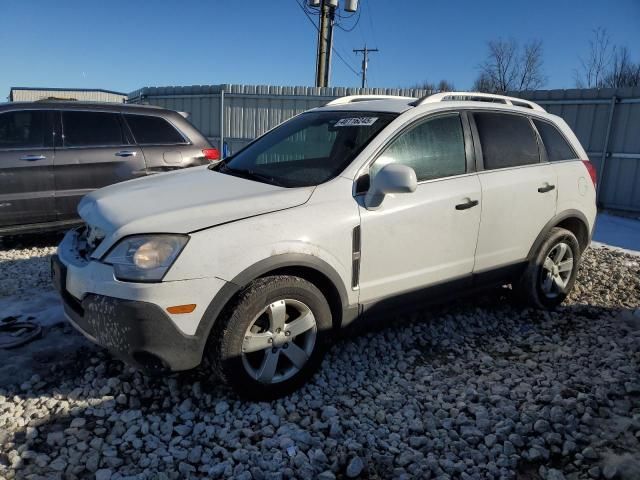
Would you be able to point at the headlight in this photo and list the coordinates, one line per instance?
(145, 257)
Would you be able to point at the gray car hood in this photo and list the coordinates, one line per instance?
(183, 201)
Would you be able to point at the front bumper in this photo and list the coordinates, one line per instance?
(139, 333)
(129, 318)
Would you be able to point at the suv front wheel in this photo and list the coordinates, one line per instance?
(273, 338)
(552, 271)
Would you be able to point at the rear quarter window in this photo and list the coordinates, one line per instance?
(507, 140)
(555, 144)
(148, 129)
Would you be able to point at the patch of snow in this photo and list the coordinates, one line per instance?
(58, 343)
(619, 233)
(43, 307)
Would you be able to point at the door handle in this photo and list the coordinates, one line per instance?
(32, 158)
(125, 153)
(467, 205)
(546, 189)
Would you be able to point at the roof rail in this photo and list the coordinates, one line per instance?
(477, 97)
(366, 98)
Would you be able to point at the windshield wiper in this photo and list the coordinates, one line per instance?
(249, 174)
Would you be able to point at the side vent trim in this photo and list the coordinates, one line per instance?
(355, 258)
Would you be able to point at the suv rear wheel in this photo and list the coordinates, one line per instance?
(551, 273)
(273, 338)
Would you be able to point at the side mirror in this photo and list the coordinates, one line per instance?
(392, 178)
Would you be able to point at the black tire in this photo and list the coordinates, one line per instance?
(530, 289)
(225, 345)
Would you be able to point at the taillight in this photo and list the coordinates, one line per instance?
(591, 169)
(211, 154)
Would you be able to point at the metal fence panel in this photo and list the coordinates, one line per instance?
(607, 121)
(248, 110)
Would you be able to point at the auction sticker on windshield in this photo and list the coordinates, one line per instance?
(356, 122)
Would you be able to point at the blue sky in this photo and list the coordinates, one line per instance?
(124, 45)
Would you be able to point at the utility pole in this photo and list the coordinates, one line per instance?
(325, 43)
(365, 61)
(327, 13)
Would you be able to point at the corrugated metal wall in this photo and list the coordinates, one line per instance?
(607, 122)
(251, 110)
(33, 95)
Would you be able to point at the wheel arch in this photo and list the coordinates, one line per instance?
(574, 221)
(309, 267)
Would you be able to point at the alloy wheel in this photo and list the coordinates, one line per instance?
(556, 270)
(279, 341)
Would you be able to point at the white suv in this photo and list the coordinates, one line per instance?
(342, 212)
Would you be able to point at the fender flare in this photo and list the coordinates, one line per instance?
(231, 288)
(558, 218)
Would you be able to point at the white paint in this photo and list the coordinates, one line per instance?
(418, 239)
(181, 202)
(513, 213)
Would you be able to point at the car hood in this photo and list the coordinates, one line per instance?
(183, 201)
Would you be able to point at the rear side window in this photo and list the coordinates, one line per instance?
(153, 130)
(22, 129)
(434, 149)
(507, 140)
(91, 129)
(555, 144)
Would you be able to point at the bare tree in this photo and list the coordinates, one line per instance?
(530, 70)
(623, 72)
(508, 67)
(593, 68)
(445, 86)
(425, 85)
(430, 87)
(606, 65)
(483, 84)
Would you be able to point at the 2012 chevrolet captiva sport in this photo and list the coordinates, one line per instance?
(340, 212)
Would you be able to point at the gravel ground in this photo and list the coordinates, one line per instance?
(475, 389)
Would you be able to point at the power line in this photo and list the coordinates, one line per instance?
(365, 61)
(355, 72)
(352, 28)
(373, 31)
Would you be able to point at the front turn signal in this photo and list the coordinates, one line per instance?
(178, 309)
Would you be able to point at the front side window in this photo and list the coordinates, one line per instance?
(434, 149)
(22, 129)
(557, 147)
(148, 130)
(309, 149)
(507, 140)
(91, 129)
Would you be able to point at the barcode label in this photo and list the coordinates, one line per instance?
(356, 122)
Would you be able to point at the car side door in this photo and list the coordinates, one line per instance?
(96, 151)
(518, 188)
(427, 237)
(164, 146)
(26, 167)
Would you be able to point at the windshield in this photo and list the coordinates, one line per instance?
(309, 149)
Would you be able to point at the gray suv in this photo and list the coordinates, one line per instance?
(53, 153)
